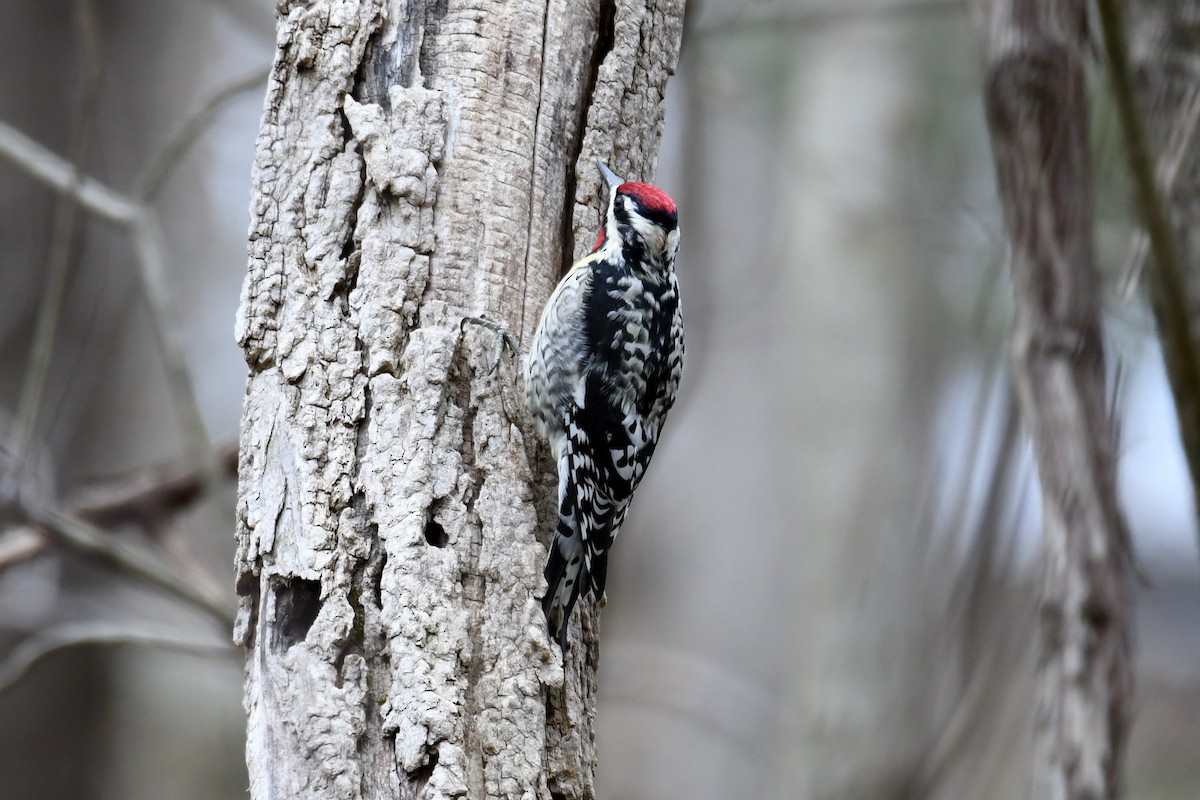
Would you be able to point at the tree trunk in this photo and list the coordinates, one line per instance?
(1037, 113)
(419, 162)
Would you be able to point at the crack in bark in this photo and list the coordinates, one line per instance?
(605, 39)
(460, 393)
(350, 252)
(382, 66)
(529, 207)
(433, 12)
(367, 587)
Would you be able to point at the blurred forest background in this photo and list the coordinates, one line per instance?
(827, 587)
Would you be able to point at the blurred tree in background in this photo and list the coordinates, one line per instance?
(828, 586)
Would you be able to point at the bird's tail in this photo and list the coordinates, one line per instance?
(564, 578)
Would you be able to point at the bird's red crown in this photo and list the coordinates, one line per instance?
(649, 197)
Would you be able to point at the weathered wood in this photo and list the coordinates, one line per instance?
(1037, 113)
(419, 162)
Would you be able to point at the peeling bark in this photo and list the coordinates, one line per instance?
(1037, 113)
(419, 162)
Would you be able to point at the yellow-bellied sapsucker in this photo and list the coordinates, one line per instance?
(600, 378)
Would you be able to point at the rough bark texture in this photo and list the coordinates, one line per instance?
(419, 162)
(1037, 111)
(1164, 44)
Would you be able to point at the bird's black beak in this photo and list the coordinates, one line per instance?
(610, 177)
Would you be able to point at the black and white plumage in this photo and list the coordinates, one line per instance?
(600, 377)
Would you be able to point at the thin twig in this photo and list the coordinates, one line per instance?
(1183, 134)
(1181, 353)
(58, 174)
(147, 241)
(62, 246)
(20, 544)
(789, 18)
(143, 227)
(151, 499)
(150, 494)
(29, 653)
(176, 547)
(152, 179)
(79, 191)
(87, 538)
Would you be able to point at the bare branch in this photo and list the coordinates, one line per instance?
(1150, 203)
(29, 653)
(147, 240)
(151, 180)
(139, 219)
(1169, 289)
(757, 17)
(58, 174)
(62, 246)
(20, 544)
(148, 499)
(1183, 136)
(90, 540)
(151, 499)
(151, 494)
(1166, 73)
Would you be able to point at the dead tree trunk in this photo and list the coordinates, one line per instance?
(418, 162)
(1037, 112)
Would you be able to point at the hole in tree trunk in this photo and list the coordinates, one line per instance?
(377, 581)
(423, 773)
(297, 603)
(435, 534)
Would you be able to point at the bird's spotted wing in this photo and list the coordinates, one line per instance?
(608, 449)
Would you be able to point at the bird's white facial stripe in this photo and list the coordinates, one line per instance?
(672, 243)
(611, 238)
(651, 233)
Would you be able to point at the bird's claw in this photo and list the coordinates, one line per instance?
(504, 337)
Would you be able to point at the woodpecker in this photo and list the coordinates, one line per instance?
(600, 377)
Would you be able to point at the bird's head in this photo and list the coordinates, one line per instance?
(641, 218)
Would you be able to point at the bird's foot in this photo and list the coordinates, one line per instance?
(504, 337)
